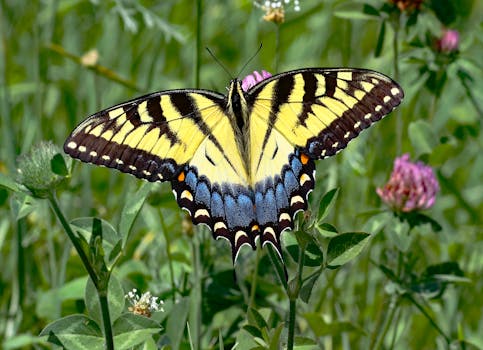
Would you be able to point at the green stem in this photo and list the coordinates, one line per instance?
(100, 287)
(253, 288)
(199, 15)
(291, 324)
(169, 256)
(430, 319)
(277, 48)
(394, 334)
(8, 141)
(106, 319)
(197, 296)
(387, 322)
(293, 294)
(469, 93)
(395, 46)
(72, 236)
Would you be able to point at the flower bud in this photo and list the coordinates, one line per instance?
(449, 41)
(39, 170)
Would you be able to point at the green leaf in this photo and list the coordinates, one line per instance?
(303, 343)
(115, 297)
(354, 15)
(422, 137)
(313, 253)
(417, 219)
(253, 330)
(131, 329)
(326, 229)
(307, 288)
(131, 209)
(398, 233)
(23, 341)
(322, 328)
(8, 183)
(176, 323)
(110, 238)
(326, 204)
(49, 302)
(74, 332)
(23, 205)
(58, 165)
(345, 247)
(255, 318)
(370, 10)
(275, 337)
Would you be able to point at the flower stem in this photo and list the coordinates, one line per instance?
(106, 319)
(395, 46)
(199, 15)
(253, 288)
(387, 322)
(169, 256)
(430, 319)
(291, 324)
(196, 298)
(277, 48)
(72, 236)
(293, 292)
(101, 288)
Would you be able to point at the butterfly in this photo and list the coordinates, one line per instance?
(243, 163)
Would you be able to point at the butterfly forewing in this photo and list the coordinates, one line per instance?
(149, 137)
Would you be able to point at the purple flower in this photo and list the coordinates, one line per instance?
(253, 79)
(449, 41)
(412, 186)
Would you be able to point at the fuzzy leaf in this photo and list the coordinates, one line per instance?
(75, 332)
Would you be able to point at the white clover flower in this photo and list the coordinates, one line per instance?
(145, 304)
(275, 10)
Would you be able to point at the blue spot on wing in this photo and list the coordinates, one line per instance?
(281, 196)
(296, 166)
(290, 182)
(217, 207)
(191, 180)
(266, 207)
(239, 211)
(203, 194)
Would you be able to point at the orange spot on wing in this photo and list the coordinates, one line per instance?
(255, 228)
(181, 176)
(304, 158)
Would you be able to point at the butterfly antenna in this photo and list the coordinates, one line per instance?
(219, 62)
(250, 59)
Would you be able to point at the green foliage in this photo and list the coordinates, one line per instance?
(413, 283)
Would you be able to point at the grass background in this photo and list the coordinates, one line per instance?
(147, 46)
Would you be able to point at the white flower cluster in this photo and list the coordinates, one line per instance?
(144, 304)
(270, 4)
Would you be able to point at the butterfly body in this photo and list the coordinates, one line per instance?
(242, 164)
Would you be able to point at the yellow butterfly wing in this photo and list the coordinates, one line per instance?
(298, 117)
(182, 136)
